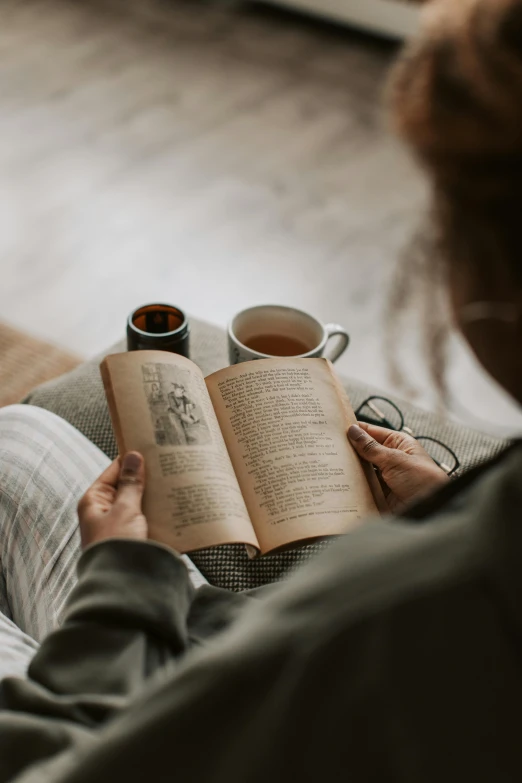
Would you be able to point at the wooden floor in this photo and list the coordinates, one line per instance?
(212, 155)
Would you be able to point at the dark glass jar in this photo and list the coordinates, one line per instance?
(158, 327)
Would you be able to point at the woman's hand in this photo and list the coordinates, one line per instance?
(111, 508)
(406, 470)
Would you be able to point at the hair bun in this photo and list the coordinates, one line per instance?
(456, 93)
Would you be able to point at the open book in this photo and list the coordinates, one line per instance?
(256, 453)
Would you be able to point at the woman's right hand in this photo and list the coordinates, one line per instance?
(406, 470)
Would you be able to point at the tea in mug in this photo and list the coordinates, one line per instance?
(277, 345)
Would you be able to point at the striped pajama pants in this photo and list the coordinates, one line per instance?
(45, 467)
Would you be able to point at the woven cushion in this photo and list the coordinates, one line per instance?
(79, 398)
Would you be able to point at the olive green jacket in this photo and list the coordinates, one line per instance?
(396, 656)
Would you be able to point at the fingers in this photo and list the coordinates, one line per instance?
(368, 447)
(111, 508)
(101, 493)
(392, 439)
(109, 477)
(375, 431)
(131, 480)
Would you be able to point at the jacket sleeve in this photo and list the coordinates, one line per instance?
(125, 619)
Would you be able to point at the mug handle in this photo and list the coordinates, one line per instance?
(335, 330)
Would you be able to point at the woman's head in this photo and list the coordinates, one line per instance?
(457, 101)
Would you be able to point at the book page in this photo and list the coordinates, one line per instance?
(160, 407)
(285, 425)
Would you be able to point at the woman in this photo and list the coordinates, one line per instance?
(395, 656)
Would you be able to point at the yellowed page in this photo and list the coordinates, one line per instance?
(160, 407)
(285, 425)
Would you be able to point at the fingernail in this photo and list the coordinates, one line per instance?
(132, 462)
(355, 432)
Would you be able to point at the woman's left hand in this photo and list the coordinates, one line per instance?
(111, 507)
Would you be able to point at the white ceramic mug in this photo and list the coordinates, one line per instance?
(288, 322)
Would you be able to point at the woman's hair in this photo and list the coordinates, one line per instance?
(456, 99)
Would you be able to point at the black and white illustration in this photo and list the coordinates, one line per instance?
(176, 414)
